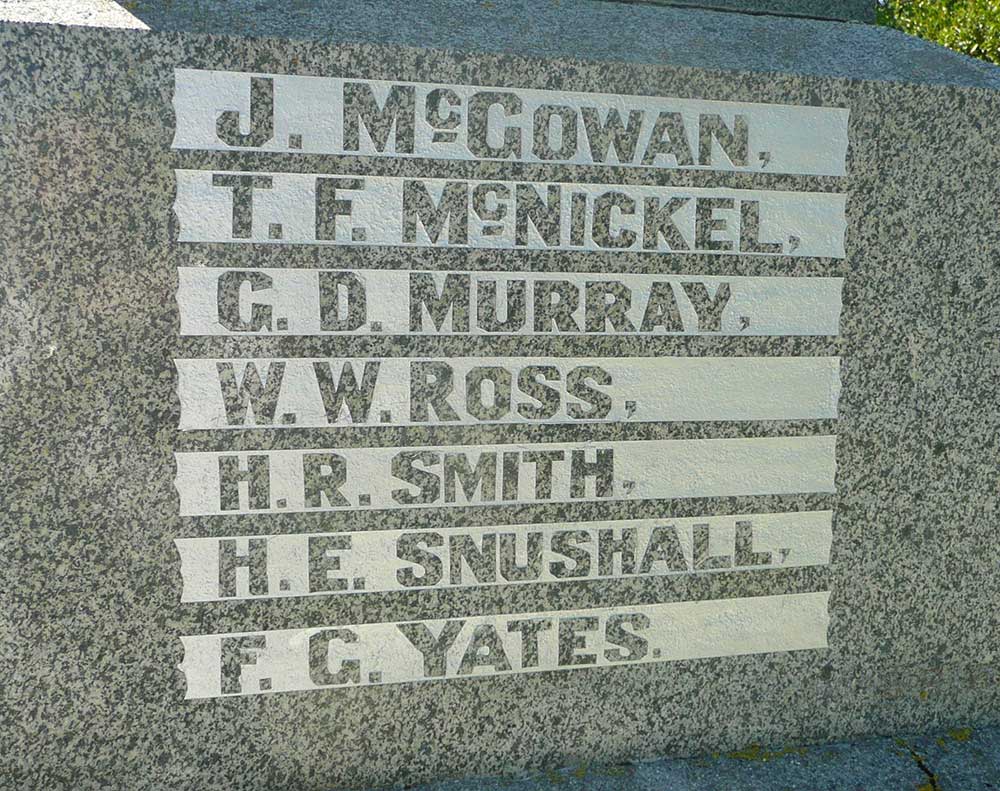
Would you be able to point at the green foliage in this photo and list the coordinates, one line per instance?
(969, 26)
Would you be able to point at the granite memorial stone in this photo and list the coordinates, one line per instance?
(375, 413)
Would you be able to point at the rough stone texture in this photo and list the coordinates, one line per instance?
(89, 327)
(589, 30)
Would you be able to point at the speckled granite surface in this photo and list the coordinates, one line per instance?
(89, 327)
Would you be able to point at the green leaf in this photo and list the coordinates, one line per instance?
(968, 26)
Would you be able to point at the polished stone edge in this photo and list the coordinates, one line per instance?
(644, 33)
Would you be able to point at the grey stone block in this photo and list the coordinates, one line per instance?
(93, 241)
(590, 30)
